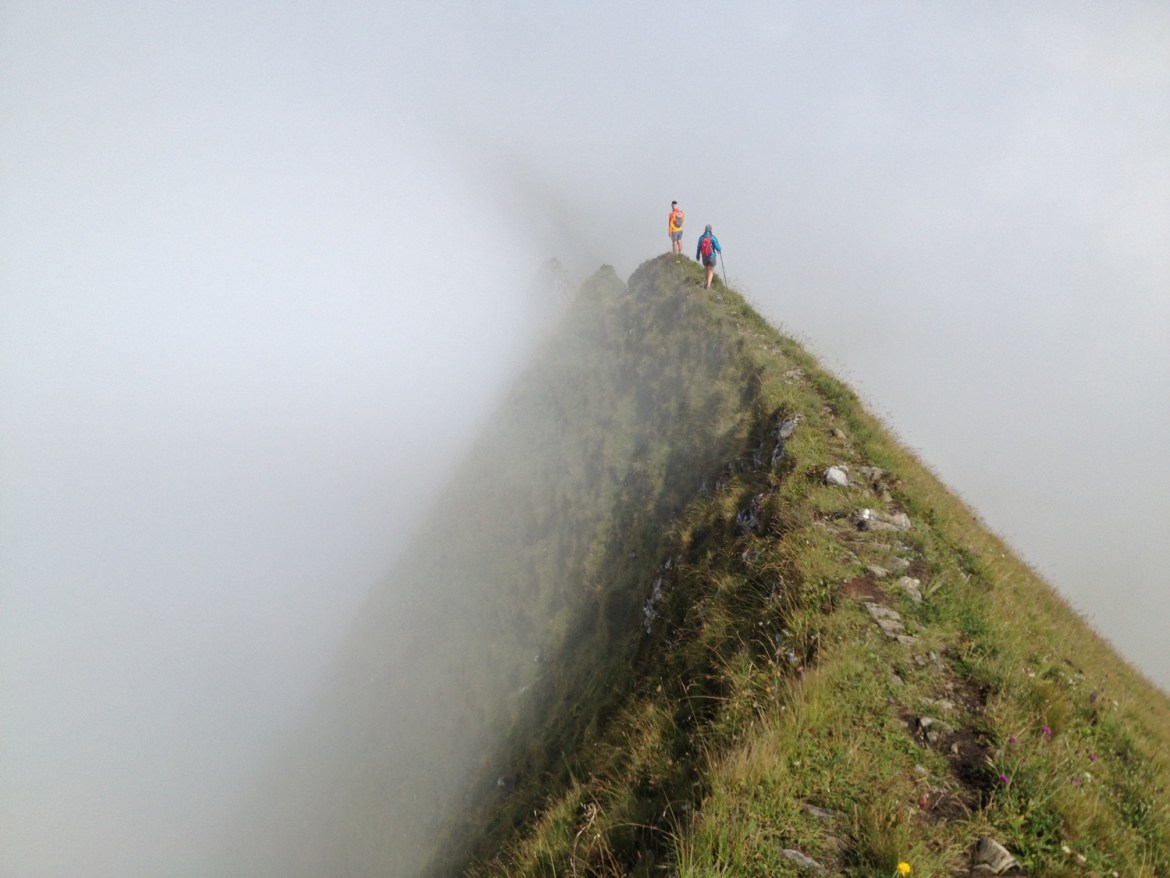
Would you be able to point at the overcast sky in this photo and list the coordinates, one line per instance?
(262, 276)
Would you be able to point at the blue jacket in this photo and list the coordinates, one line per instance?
(715, 248)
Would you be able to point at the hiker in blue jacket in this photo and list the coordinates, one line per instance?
(708, 253)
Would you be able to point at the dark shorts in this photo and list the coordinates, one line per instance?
(676, 236)
(711, 261)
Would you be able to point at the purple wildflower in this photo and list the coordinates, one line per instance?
(1076, 781)
(1005, 780)
(1012, 740)
(1046, 731)
(1092, 757)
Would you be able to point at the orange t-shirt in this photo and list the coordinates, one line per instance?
(675, 222)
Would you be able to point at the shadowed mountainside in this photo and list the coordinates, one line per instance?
(688, 608)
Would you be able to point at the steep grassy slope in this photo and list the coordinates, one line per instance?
(746, 709)
(641, 634)
(465, 643)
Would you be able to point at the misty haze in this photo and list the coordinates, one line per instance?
(266, 274)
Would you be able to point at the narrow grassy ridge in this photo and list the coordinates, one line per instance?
(750, 665)
(688, 609)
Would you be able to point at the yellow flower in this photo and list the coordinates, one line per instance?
(903, 868)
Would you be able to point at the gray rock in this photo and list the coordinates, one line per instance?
(877, 572)
(890, 621)
(883, 614)
(880, 612)
(802, 861)
(872, 520)
(747, 521)
(650, 609)
(777, 453)
(837, 476)
(890, 627)
(911, 586)
(989, 857)
(932, 729)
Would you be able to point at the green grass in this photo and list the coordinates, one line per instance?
(637, 644)
(764, 691)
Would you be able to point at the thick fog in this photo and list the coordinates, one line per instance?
(263, 273)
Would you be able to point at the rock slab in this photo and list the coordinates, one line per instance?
(989, 857)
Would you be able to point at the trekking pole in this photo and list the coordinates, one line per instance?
(723, 265)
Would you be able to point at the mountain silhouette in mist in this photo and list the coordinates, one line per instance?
(687, 608)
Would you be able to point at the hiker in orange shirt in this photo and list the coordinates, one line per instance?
(674, 227)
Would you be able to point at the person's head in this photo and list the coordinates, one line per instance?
(708, 229)
(673, 205)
